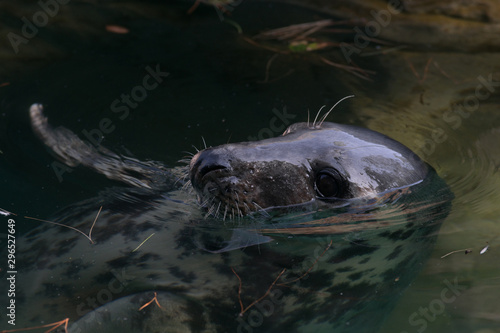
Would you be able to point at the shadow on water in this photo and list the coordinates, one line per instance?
(438, 96)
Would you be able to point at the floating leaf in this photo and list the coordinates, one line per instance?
(117, 29)
(298, 46)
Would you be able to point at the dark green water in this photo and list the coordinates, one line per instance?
(212, 90)
(216, 88)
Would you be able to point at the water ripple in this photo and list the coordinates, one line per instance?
(475, 179)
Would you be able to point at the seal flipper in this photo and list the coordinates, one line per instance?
(71, 150)
(240, 239)
(166, 312)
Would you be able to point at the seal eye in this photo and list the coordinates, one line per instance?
(327, 184)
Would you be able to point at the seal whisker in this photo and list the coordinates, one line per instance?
(238, 208)
(316, 118)
(204, 142)
(180, 179)
(211, 208)
(248, 208)
(206, 202)
(207, 212)
(237, 204)
(187, 186)
(225, 212)
(217, 210)
(333, 107)
(183, 177)
(261, 210)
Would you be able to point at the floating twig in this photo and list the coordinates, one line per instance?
(295, 31)
(383, 51)
(234, 24)
(193, 7)
(89, 236)
(446, 75)
(467, 251)
(155, 299)
(144, 241)
(52, 326)
(456, 251)
(92, 227)
(251, 41)
(117, 29)
(310, 268)
(426, 70)
(268, 66)
(351, 69)
(243, 309)
(5, 212)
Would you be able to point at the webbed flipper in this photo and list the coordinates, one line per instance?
(72, 151)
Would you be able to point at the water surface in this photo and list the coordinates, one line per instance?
(223, 88)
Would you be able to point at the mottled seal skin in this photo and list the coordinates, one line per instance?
(334, 257)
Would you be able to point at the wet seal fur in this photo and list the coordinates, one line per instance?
(329, 162)
(347, 215)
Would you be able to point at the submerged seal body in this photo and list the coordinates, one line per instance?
(317, 230)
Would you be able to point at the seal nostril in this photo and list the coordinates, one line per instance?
(208, 162)
(209, 168)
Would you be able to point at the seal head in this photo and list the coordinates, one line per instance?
(330, 163)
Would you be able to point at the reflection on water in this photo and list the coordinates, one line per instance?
(422, 96)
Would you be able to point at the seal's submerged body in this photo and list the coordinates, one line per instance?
(318, 230)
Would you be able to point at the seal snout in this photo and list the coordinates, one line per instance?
(206, 163)
(209, 168)
(217, 184)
